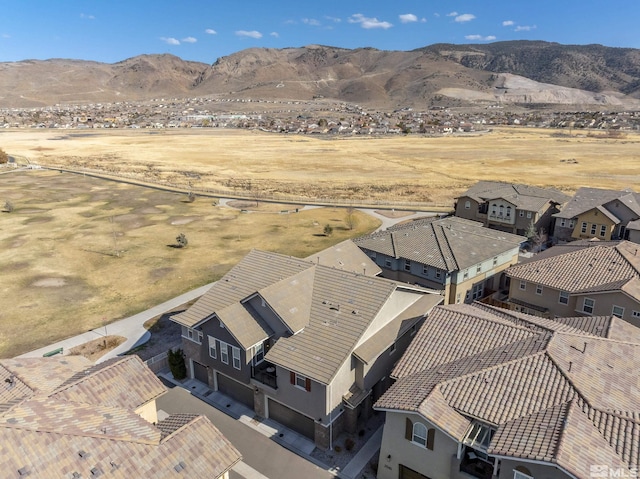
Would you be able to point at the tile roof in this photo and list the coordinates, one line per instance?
(553, 394)
(523, 196)
(85, 424)
(594, 268)
(449, 243)
(347, 256)
(586, 199)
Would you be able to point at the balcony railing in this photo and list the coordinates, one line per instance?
(266, 374)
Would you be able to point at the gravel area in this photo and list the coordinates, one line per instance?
(339, 457)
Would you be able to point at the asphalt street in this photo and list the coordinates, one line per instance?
(258, 451)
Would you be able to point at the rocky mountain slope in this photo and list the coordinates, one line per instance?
(522, 72)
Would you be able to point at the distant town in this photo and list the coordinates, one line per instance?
(306, 117)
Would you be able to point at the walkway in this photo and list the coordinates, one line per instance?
(131, 328)
(287, 438)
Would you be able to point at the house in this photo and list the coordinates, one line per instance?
(65, 417)
(598, 213)
(513, 208)
(303, 341)
(581, 278)
(495, 394)
(457, 257)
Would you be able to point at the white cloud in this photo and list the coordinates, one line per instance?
(88, 17)
(311, 21)
(170, 40)
(5, 35)
(488, 38)
(249, 34)
(367, 22)
(452, 14)
(508, 23)
(525, 28)
(333, 19)
(408, 18)
(275, 34)
(423, 20)
(210, 31)
(189, 40)
(465, 17)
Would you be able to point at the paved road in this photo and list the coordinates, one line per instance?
(258, 451)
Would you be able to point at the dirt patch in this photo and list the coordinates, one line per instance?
(49, 283)
(160, 273)
(94, 350)
(182, 221)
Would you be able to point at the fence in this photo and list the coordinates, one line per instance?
(159, 362)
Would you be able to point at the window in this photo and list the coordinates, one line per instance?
(236, 357)
(467, 205)
(193, 335)
(529, 214)
(224, 353)
(521, 473)
(593, 228)
(479, 269)
(407, 265)
(635, 314)
(603, 230)
(465, 274)
(479, 436)
(584, 227)
(588, 305)
(538, 289)
(523, 285)
(495, 261)
(418, 434)
(617, 311)
(493, 209)
(387, 263)
(425, 270)
(563, 298)
(300, 381)
(258, 354)
(521, 213)
(572, 223)
(508, 211)
(477, 291)
(563, 222)
(212, 348)
(438, 273)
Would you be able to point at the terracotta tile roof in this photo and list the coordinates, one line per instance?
(75, 427)
(449, 244)
(583, 270)
(553, 394)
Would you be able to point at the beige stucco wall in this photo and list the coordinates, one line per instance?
(593, 217)
(148, 412)
(435, 464)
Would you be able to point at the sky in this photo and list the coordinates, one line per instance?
(204, 30)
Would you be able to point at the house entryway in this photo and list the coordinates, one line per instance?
(291, 419)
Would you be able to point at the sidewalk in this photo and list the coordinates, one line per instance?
(293, 441)
(131, 328)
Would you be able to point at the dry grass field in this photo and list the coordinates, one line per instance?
(391, 169)
(78, 252)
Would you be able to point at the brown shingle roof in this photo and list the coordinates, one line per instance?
(583, 270)
(520, 383)
(75, 426)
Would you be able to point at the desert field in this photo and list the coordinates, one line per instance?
(78, 252)
(372, 170)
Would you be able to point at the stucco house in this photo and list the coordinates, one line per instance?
(509, 207)
(581, 278)
(598, 213)
(460, 258)
(494, 394)
(64, 417)
(302, 341)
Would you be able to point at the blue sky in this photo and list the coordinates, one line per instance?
(113, 30)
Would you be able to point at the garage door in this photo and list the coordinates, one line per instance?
(406, 473)
(291, 419)
(200, 372)
(235, 390)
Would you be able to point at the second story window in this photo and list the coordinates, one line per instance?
(300, 381)
(588, 305)
(538, 289)
(563, 298)
(523, 285)
(467, 205)
(407, 265)
(583, 228)
(212, 347)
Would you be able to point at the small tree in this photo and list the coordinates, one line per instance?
(328, 229)
(191, 197)
(4, 158)
(176, 364)
(182, 241)
(350, 218)
(8, 206)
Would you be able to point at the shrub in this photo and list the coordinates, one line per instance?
(328, 229)
(349, 444)
(182, 241)
(176, 364)
(337, 448)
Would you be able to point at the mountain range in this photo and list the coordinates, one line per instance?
(519, 73)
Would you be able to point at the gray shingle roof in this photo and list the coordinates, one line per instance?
(525, 197)
(586, 199)
(450, 244)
